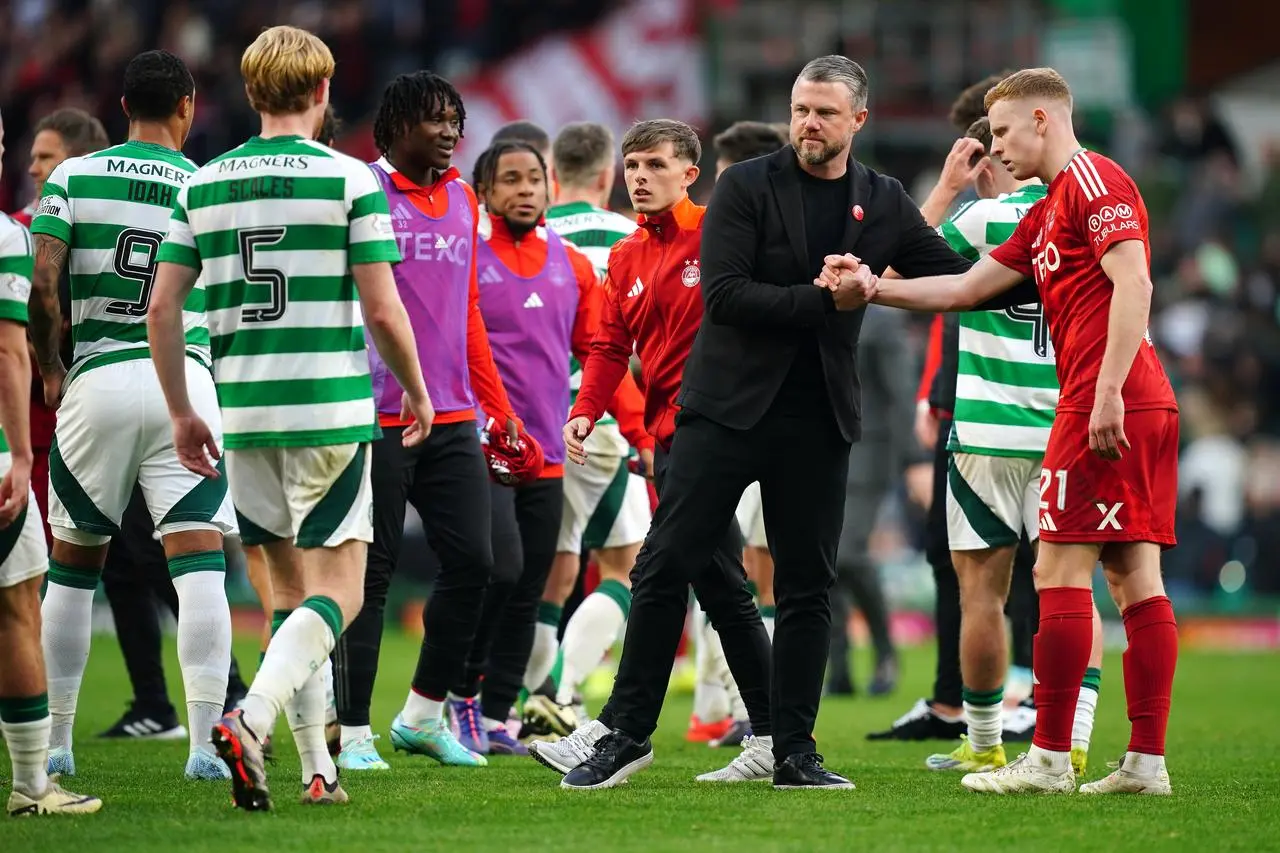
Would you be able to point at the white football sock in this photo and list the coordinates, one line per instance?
(351, 734)
(699, 627)
(591, 632)
(67, 614)
(720, 673)
(492, 725)
(542, 656)
(294, 654)
(204, 649)
(1082, 725)
(710, 698)
(1055, 762)
(29, 752)
(305, 712)
(419, 710)
(1143, 764)
(330, 699)
(986, 725)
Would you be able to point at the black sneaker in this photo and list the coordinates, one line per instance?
(922, 723)
(805, 770)
(617, 756)
(145, 724)
(1020, 723)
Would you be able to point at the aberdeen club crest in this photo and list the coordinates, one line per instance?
(691, 275)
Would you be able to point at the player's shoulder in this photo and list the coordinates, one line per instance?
(628, 247)
(1102, 163)
(15, 239)
(978, 210)
(1093, 176)
(1025, 196)
(610, 220)
(329, 161)
(77, 165)
(577, 258)
(469, 192)
(216, 166)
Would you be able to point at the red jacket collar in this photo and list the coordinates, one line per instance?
(683, 216)
(501, 233)
(405, 185)
(498, 227)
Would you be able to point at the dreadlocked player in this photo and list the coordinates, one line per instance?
(434, 215)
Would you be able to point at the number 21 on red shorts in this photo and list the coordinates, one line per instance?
(1085, 498)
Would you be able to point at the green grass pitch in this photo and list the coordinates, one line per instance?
(1224, 759)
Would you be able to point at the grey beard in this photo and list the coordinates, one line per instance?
(828, 152)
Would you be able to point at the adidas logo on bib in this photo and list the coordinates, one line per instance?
(636, 289)
(534, 301)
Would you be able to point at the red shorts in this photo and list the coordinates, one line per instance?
(1085, 498)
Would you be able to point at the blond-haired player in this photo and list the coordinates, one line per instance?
(293, 244)
(1108, 485)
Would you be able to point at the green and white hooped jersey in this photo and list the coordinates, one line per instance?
(274, 226)
(1007, 382)
(112, 210)
(16, 263)
(593, 231)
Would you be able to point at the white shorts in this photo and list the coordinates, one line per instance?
(605, 506)
(318, 497)
(991, 500)
(114, 430)
(23, 552)
(751, 517)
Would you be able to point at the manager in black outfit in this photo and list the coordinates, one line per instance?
(771, 393)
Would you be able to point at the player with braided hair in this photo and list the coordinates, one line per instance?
(434, 216)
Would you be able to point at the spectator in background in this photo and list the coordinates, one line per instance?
(1194, 134)
(65, 133)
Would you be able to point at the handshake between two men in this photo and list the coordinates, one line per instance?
(851, 282)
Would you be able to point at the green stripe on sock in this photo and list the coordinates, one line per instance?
(328, 610)
(1093, 679)
(197, 561)
(24, 709)
(982, 697)
(73, 576)
(557, 669)
(617, 592)
(753, 589)
(768, 611)
(549, 614)
(277, 619)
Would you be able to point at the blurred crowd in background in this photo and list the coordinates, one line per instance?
(1215, 230)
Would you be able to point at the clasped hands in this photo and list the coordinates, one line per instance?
(850, 281)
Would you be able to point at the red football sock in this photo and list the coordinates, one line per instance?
(1149, 663)
(1060, 657)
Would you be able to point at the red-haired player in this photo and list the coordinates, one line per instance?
(1109, 484)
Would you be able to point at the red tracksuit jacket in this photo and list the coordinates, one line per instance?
(653, 304)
